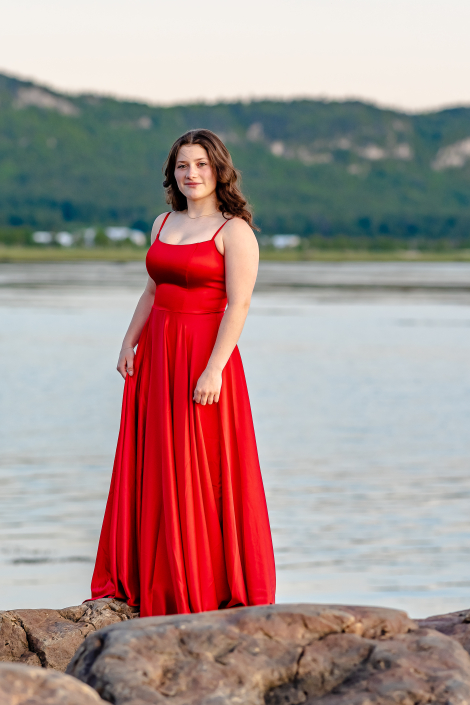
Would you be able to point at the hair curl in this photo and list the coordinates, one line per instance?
(230, 199)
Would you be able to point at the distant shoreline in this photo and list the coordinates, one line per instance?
(108, 254)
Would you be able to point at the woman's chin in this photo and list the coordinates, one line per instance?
(196, 196)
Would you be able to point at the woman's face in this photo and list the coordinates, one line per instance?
(193, 172)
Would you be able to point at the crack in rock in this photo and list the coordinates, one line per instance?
(49, 638)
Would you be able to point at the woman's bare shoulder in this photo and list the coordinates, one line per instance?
(157, 225)
(237, 227)
(239, 239)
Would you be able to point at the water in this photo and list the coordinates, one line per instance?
(361, 402)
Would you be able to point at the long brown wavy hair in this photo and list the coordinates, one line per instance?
(230, 199)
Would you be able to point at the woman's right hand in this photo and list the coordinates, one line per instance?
(126, 362)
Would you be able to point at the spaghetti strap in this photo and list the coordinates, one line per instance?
(218, 231)
(161, 226)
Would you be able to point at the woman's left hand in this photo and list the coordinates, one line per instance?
(208, 387)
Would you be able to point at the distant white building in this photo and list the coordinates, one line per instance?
(280, 242)
(41, 237)
(89, 235)
(64, 238)
(118, 233)
(138, 238)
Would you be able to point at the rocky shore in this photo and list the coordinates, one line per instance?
(273, 655)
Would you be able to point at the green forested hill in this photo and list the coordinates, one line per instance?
(309, 167)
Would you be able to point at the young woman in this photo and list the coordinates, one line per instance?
(186, 526)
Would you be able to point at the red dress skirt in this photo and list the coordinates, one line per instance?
(186, 526)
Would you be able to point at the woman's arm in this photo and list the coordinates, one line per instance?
(125, 363)
(241, 267)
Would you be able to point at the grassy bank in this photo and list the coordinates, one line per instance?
(121, 254)
(71, 254)
(365, 256)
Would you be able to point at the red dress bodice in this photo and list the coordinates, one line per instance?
(189, 278)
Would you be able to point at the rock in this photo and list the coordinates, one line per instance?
(26, 685)
(420, 667)
(49, 638)
(14, 642)
(273, 655)
(454, 624)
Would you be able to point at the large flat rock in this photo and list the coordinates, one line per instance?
(454, 624)
(273, 655)
(29, 685)
(49, 638)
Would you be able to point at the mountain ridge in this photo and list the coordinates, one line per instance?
(309, 166)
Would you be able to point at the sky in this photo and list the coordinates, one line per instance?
(409, 54)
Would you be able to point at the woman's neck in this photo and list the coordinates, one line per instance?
(201, 207)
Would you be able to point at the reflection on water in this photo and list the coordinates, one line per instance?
(361, 408)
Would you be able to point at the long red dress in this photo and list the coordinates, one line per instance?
(186, 527)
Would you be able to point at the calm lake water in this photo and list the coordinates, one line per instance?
(361, 402)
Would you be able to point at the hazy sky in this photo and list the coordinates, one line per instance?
(412, 54)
